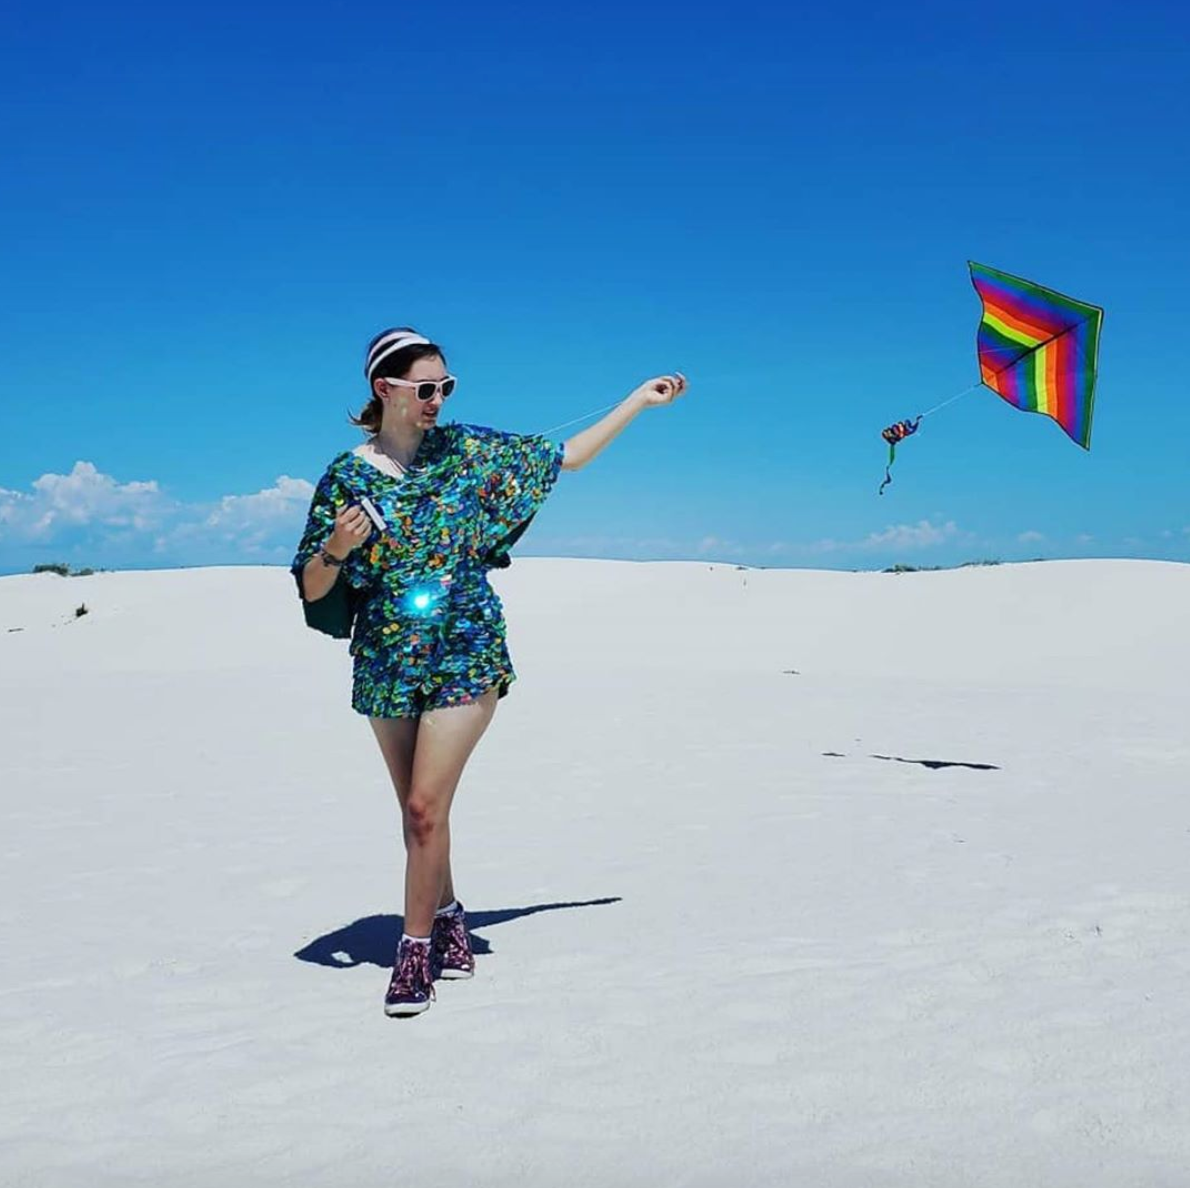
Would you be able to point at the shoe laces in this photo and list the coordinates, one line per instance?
(450, 937)
(411, 971)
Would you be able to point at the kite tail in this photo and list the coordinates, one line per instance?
(892, 457)
(894, 434)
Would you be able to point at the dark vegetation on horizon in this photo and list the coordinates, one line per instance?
(64, 570)
(901, 568)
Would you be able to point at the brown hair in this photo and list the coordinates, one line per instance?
(396, 366)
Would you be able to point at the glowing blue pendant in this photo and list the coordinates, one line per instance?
(422, 601)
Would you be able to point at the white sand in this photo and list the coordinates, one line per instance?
(813, 970)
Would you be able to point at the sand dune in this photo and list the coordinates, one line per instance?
(798, 877)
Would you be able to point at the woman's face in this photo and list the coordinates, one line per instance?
(400, 397)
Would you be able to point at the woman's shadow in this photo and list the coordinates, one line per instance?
(373, 939)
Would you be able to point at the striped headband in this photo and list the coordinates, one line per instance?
(386, 344)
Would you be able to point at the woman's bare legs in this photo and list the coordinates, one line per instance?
(398, 738)
(425, 757)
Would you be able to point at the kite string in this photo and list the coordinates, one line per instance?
(952, 399)
(615, 403)
(595, 412)
(978, 383)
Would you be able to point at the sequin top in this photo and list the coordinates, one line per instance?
(465, 490)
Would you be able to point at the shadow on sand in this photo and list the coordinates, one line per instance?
(932, 764)
(373, 939)
(938, 764)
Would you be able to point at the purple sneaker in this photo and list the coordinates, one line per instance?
(452, 946)
(412, 987)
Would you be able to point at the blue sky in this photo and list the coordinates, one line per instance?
(207, 213)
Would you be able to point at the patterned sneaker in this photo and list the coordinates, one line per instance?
(412, 987)
(452, 946)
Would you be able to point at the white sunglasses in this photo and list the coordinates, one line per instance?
(426, 389)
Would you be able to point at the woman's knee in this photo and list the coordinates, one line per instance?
(425, 815)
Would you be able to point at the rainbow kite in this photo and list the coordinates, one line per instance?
(1038, 349)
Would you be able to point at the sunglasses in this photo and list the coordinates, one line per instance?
(427, 388)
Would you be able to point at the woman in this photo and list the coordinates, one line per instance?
(413, 519)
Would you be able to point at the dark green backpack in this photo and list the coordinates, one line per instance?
(334, 613)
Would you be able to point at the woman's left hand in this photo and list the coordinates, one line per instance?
(663, 390)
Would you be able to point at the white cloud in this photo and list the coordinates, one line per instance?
(80, 499)
(12, 504)
(1031, 537)
(718, 546)
(922, 535)
(238, 511)
(264, 524)
(90, 510)
(251, 520)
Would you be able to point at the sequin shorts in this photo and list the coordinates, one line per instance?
(396, 683)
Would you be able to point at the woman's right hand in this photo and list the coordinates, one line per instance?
(352, 528)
